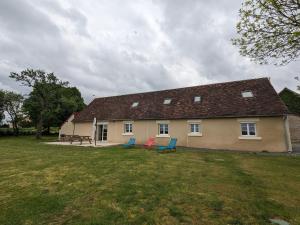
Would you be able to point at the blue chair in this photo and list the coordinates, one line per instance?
(130, 144)
(171, 146)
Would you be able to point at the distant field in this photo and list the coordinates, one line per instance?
(46, 184)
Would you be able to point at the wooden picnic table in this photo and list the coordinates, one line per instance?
(73, 138)
(80, 138)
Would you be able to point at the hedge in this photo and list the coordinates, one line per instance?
(23, 131)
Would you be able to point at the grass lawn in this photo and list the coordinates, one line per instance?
(45, 184)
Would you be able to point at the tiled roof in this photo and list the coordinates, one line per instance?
(217, 101)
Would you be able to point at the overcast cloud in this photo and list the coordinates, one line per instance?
(115, 47)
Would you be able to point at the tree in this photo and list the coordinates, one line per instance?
(269, 31)
(291, 100)
(13, 106)
(2, 94)
(69, 101)
(62, 103)
(43, 96)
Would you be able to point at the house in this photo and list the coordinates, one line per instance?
(292, 101)
(243, 115)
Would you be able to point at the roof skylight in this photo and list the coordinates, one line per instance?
(167, 101)
(197, 99)
(135, 104)
(247, 94)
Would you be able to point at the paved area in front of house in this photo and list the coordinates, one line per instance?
(84, 144)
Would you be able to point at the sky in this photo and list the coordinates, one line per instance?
(111, 47)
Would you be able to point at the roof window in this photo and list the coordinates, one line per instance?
(167, 101)
(247, 94)
(135, 104)
(197, 99)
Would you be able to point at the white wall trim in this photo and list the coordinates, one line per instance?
(162, 135)
(162, 121)
(194, 121)
(127, 134)
(128, 122)
(249, 138)
(102, 123)
(194, 134)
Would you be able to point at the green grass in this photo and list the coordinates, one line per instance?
(45, 184)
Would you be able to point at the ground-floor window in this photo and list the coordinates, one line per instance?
(128, 128)
(163, 128)
(248, 129)
(195, 128)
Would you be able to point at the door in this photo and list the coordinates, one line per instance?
(102, 132)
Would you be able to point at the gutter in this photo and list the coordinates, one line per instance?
(287, 133)
(184, 118)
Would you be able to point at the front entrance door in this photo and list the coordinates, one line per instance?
(102, 132)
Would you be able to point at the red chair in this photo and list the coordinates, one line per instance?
(149, 143)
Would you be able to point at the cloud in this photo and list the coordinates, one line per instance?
(112, 47)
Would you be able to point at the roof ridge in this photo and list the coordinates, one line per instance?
(171, 89)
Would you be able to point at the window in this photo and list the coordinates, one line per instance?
(197, 99)
(248, 129)
(195, 128)
(163, 129)
(167, 101)
(128, 128)
(135, 104)
(247, 94)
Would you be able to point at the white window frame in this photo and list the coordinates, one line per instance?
(248, 129)
(248, 136)
(166, 127)
(128, 131)
(192, 123)
(194, 128)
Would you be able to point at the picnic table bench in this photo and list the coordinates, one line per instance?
(73, 138)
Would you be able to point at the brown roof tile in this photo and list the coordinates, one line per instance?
(217, 100)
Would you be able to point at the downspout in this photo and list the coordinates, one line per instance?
(73, 128)
(59, 134)
(147, 130)
(287, 133)
(187, 136)
(95, 134)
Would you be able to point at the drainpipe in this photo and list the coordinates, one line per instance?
(95, 134)
(187, 136)
(287, 133)
(73, 128)
(59, 134)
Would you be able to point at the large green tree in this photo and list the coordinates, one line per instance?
(43, 96)
(69, 101)
(51, 100)
(269, 31)
(61, 104)
(13, 106)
